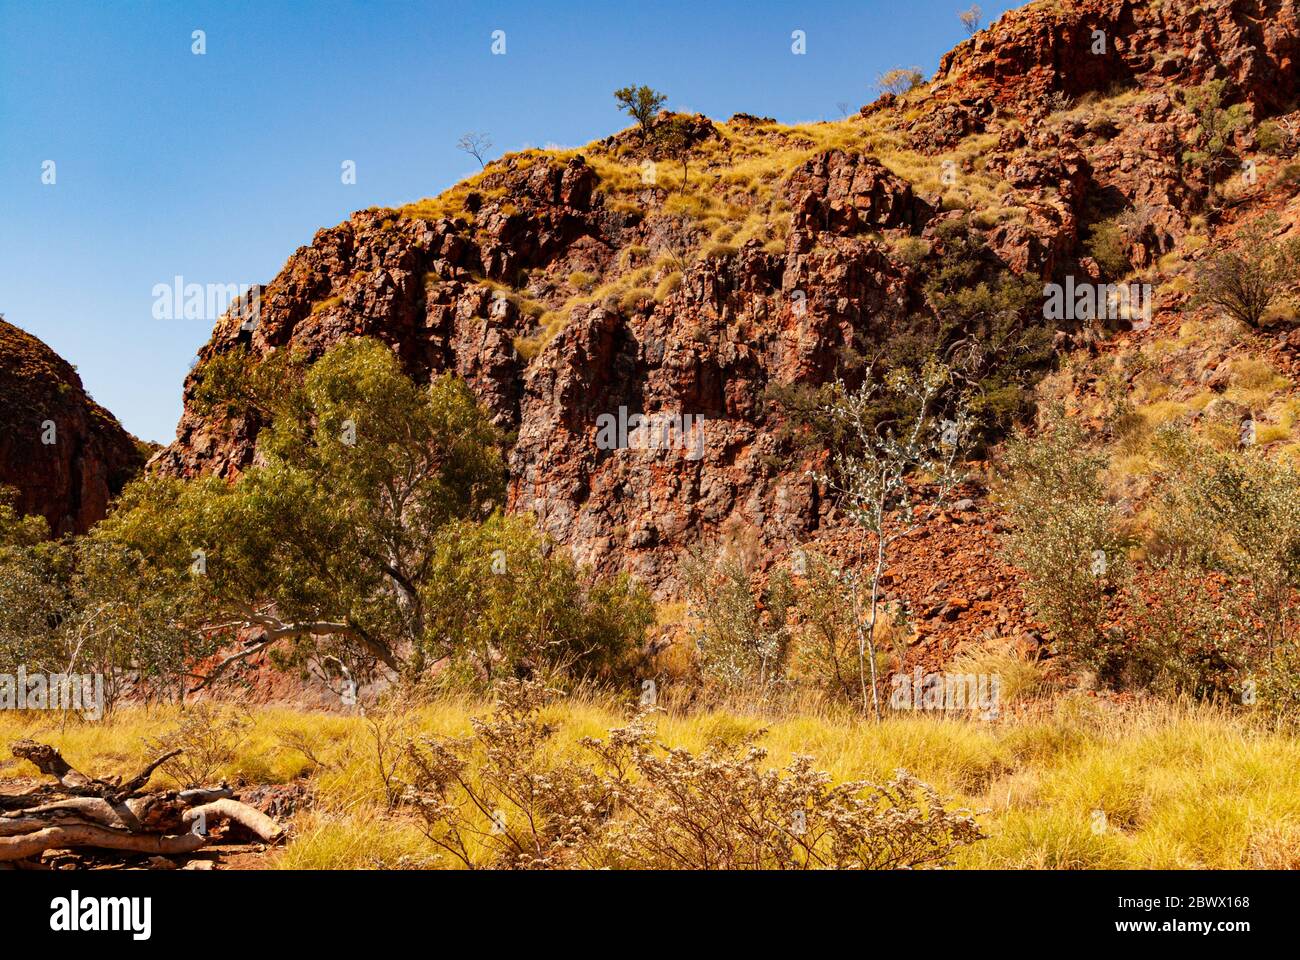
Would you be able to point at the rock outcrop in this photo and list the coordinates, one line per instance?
(64, 454)
(1045, 50)
(572, 289)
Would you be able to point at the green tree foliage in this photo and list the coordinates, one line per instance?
(1216, 125)
(33, 591)
(1236, 515)
(82, 606)
(364, 505)
(986, 325)
(641, 103)
(1210, 609)
(332, 536)
(673, 139)
(980, 320)
(1106, 244)
(501, 603)
(1065, 536)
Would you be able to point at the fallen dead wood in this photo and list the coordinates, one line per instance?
(86, 835)
(48, 760)
(254, 820)
(205, 795)
(106, 814)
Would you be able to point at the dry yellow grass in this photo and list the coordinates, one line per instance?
(1175, 786)
(728, 196)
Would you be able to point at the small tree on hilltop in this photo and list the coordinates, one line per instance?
(1247, 280)
(674, 139)
(1216, 125)
(970, 19)
(476, 145)
(895, 475)
(641, 103)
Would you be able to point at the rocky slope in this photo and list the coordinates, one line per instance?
(65, 454)
(567, 286)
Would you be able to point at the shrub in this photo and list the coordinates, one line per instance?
(1215, 129)
(911, 251)
(1271, 137)
(1247, 280)
(826, 642)
(78, 606)
(1289, 175)
(496, 800)
(1065, 536)
(740, 633)
(1190, 632)
(501, 799)
(503, 601)
(1108, 246)
(900, 80)
(1237, 515)
(987, 323)
(208, 738)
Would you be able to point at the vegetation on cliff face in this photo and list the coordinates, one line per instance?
(736, 271)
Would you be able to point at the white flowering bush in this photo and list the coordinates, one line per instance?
(898, 470)
(505, 798)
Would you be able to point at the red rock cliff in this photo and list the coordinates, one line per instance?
(65, 454)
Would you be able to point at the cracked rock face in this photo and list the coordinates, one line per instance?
(710, 337)
(1090, 46)
(64, 454)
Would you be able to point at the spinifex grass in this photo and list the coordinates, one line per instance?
(1084, 786)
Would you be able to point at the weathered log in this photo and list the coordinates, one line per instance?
(204, 795)
(88, 835)
(96, 809)
(49, 761)
(255, 820)
(17, 801)
(17, 826)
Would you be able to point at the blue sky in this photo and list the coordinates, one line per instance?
(217, 167)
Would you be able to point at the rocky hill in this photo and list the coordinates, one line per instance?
(65, 454)
(731, 278)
